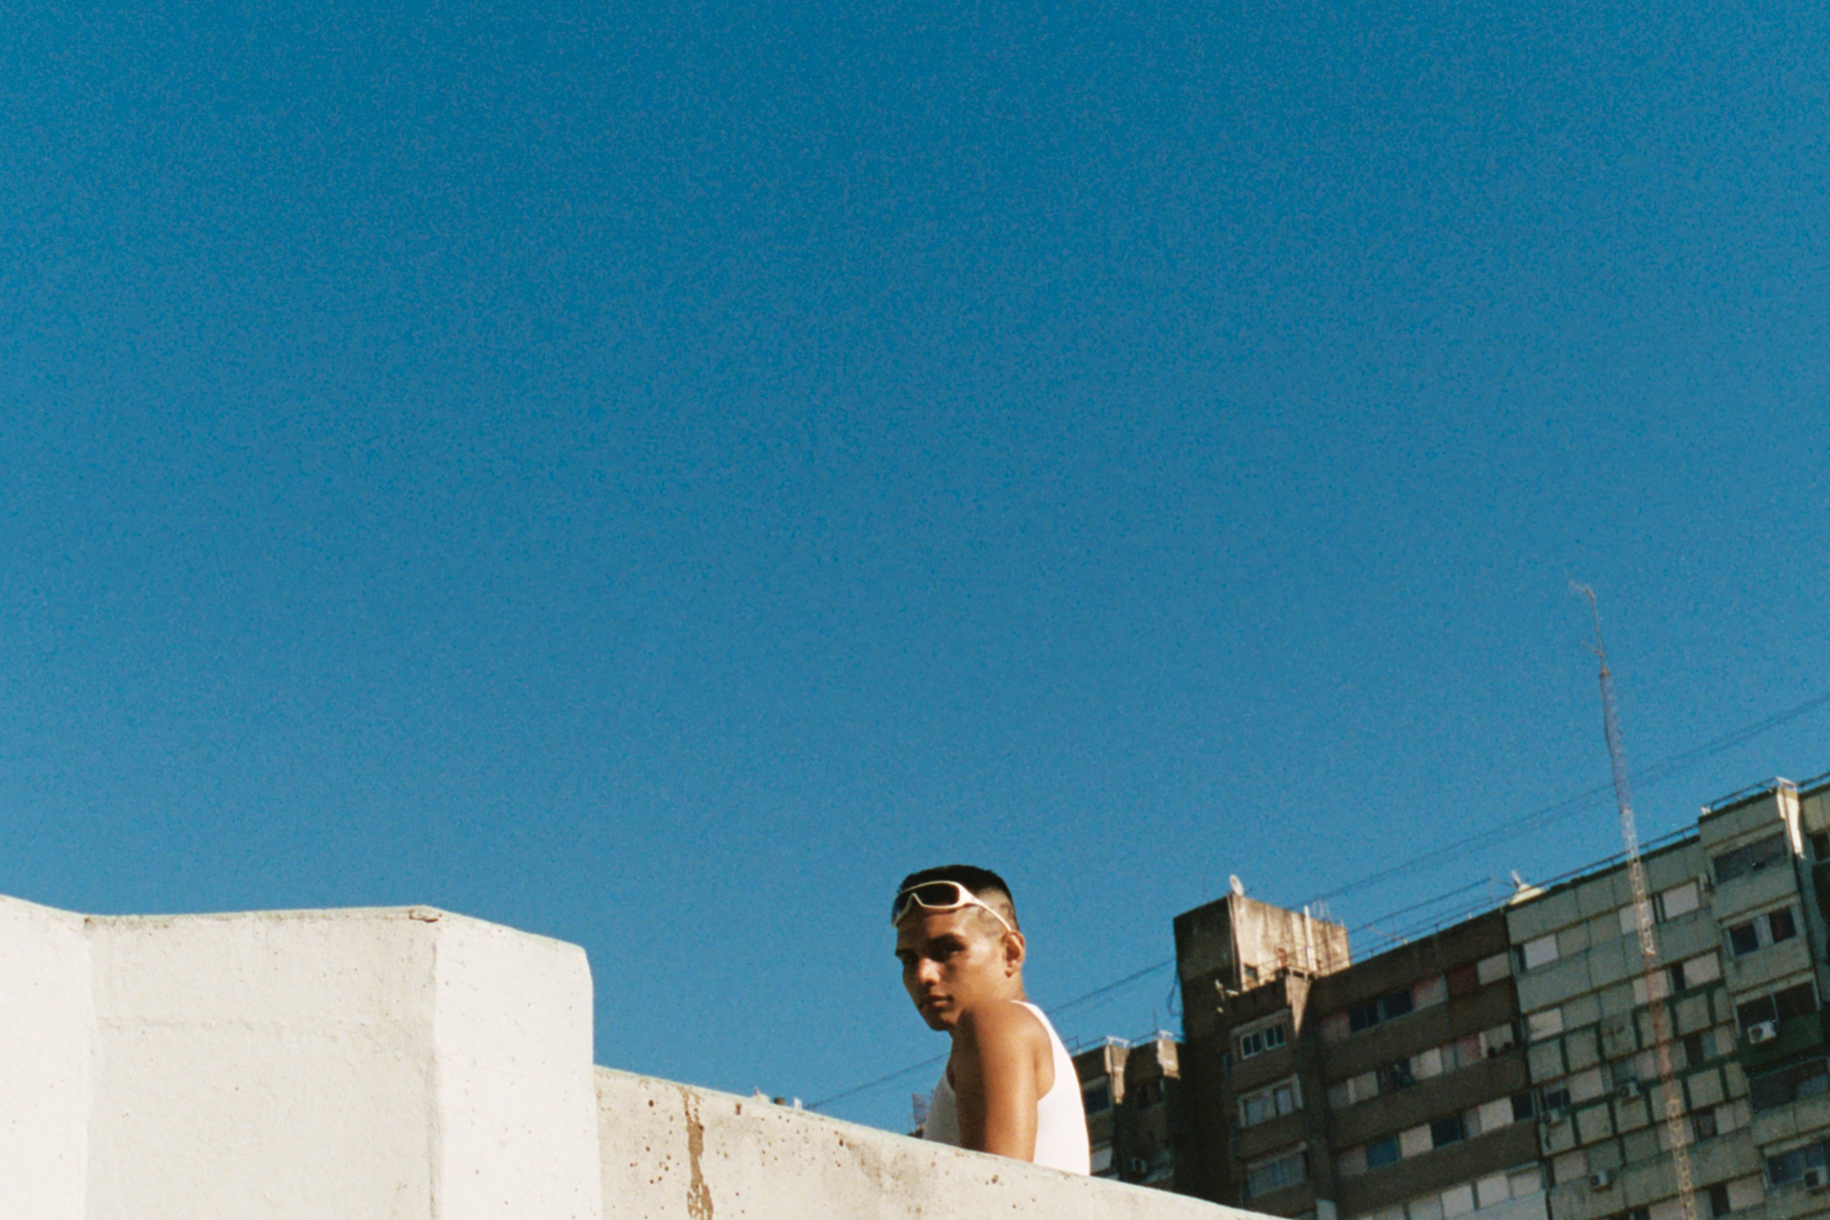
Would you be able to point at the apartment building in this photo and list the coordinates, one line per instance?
(1395, 1087)
(1136, 1111)
(1741, 936)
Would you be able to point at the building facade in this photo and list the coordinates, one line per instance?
(1394, 1087)
(1506, 1067)
(1741, 937)
(1136, 1109)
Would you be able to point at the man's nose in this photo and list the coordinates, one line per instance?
(927, 970)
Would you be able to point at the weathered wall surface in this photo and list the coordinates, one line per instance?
(674, 1152)
(304, 1065)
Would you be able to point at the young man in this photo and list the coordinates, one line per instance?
(1009, 1086)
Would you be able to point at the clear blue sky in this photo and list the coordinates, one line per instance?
(652, 474)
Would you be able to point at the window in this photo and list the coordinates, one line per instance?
(1521, 1106)
(1556, 1101)
(1718, 1200)
(1820, 845)
(1396, 1076)
(1700, 1048)
(1258, 1041)
(1545, 1024)
(1097, 1097)
(1789, 1167)
(1768, 929)
(1269, 1102)
(1147, 1094)
(1382, 1009)
(1749, 859)
(1345, 1093)
(1770, 1090)
(1678, 900)
(1450, 1130)
(1539, 952)
(1799, 1001)
(1275, 1174)
(1381, 1153)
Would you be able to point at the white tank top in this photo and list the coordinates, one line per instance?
(1061, 1119)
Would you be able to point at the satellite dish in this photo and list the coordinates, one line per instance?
(1236, 885)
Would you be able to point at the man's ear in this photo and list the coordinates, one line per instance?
(1015, 950)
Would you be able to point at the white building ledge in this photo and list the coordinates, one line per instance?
(409, 1064)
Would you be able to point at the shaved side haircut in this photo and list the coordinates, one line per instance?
(985, 884)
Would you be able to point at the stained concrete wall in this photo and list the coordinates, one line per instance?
(674, 1152)
(407, 1064)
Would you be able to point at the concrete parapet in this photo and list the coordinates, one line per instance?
(674, 1152)
(399, 1063)
(408, 1064)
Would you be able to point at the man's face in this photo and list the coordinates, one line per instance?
(954, 959)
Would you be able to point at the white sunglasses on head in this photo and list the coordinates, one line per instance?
(940, 896)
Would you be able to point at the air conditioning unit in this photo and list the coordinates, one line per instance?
(1762, 1031)
(1817, 1179)
(1601, 1180)
(1628, 1088)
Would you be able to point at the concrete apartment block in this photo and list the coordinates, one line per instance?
(408, 1064)
(1564, 1004)
(1393, 1087)
(1741, 979)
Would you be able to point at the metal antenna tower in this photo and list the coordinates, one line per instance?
(1677, 1133)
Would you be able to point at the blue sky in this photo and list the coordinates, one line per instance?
(652, 474)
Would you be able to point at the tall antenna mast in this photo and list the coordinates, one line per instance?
(1677, 1133)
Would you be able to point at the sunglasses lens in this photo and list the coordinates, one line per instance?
(934, 895)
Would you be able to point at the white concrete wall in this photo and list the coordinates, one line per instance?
(318, 1065)
(45, 1021)
(408, 1064)
(674, 1152)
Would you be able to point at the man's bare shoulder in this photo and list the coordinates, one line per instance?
(1004, 1022)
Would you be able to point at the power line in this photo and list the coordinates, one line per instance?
(1057, 1009)
(1542, 818)
(1538, 819)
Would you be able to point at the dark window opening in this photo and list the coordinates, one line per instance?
(1770, 1090)
(1781, 925)
(1750, 859)
(1743, 939)
(1799, 1001)
(1445, 1131)
(1383, 1152)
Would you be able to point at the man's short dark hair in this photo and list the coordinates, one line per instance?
(981, 881)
